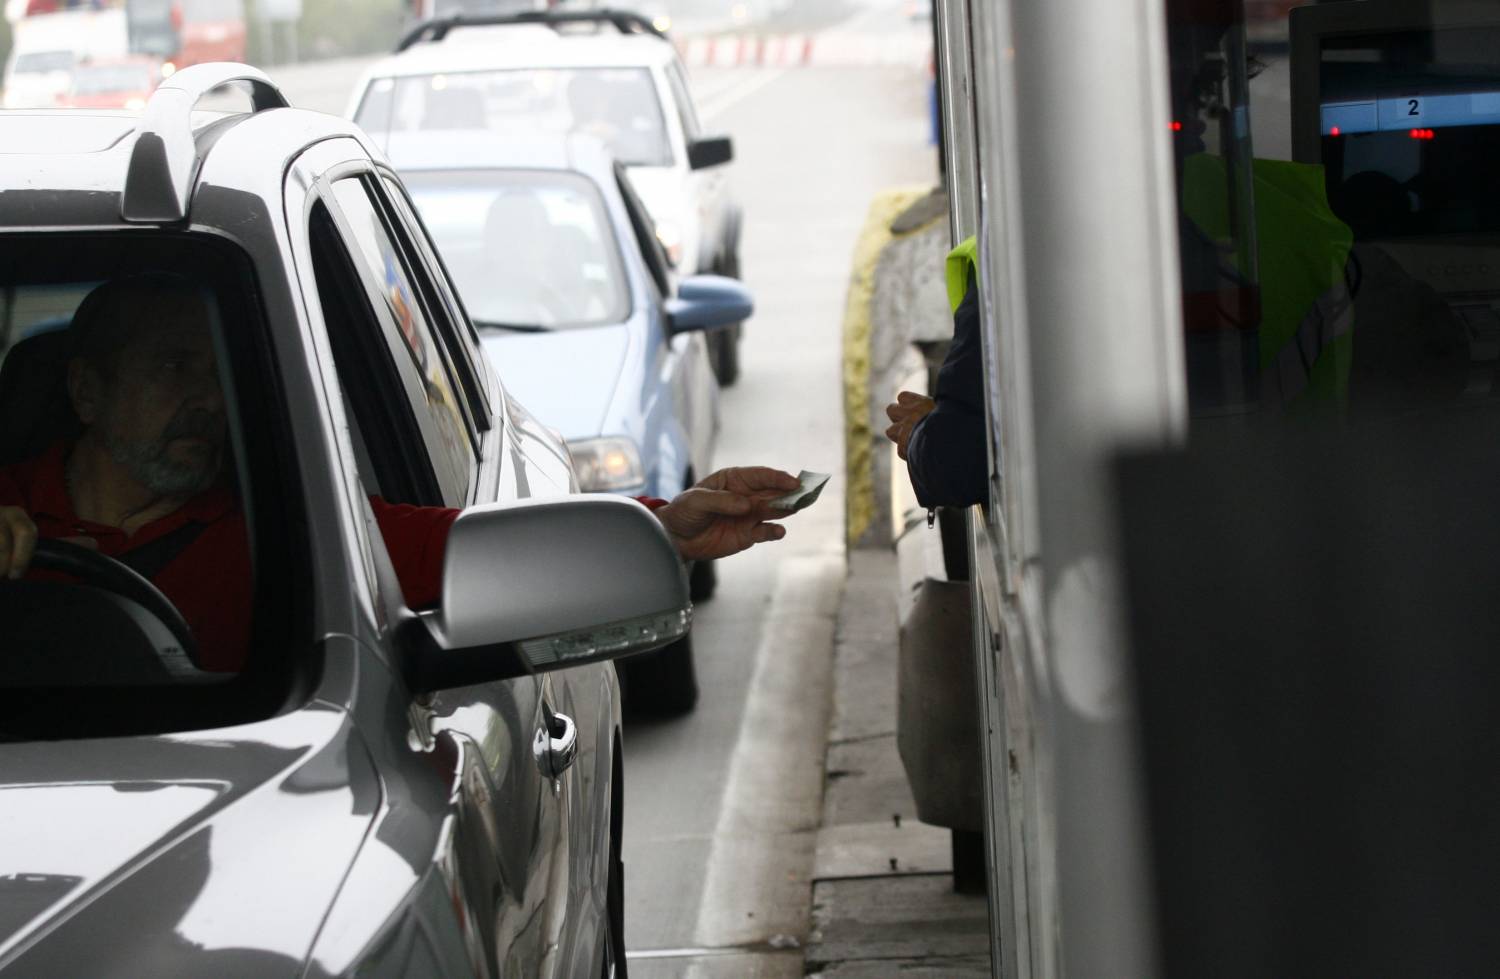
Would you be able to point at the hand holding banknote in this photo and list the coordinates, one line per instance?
(728, 512)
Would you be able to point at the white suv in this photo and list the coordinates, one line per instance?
(609, 73)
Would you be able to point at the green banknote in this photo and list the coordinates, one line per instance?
(803, 496)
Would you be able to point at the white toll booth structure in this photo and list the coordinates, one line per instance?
(1066, 140)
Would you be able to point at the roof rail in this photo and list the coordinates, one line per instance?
(437, 28)
(165, 160)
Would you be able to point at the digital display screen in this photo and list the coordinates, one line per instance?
(1410, 131)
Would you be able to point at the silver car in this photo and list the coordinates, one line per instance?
(292, 736)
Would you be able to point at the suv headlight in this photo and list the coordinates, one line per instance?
(607, 465)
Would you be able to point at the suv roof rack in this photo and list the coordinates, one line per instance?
(165, 158)
(437, 28)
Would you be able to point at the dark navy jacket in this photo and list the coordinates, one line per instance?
(946, 455)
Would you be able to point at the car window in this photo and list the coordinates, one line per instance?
(644, 230)
(444, 304)
(429, 386)
(619, 106)
(100, 79)
(684, 99)
(528, 249)
(41, 62)
(139, 424)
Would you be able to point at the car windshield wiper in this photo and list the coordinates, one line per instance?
(511, 327)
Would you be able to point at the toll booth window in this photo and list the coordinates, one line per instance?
(1336, 216)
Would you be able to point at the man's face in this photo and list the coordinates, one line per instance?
(159, 409)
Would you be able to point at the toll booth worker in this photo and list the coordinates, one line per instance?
(942, 438)
(1278, 271)
(1306, 280)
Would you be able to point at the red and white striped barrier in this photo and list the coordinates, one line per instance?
(833, 49)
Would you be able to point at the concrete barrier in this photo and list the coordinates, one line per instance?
(896, 298)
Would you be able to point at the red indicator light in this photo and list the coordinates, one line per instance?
(1334, 131)
(1423, 134)
(1176, 126)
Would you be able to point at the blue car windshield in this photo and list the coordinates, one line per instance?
(528, 249)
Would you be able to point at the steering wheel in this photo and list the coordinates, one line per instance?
(101, 571)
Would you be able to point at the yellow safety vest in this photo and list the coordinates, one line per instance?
(1302, 248)
(961, 268)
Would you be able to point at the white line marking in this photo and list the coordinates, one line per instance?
(757, 884)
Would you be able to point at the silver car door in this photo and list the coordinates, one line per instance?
(548, 722)
(508, 824)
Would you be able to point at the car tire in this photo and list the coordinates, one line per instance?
(703, 580)
(726, 355)
(725, 343)
(665, 682)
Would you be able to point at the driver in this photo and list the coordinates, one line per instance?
(146, 483)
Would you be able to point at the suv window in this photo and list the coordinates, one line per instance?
(443, 304)
(644, 230)
(419, 354)
(684, 99)
(138, 423)
(620, 106)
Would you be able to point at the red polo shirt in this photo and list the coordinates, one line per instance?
(210, 580)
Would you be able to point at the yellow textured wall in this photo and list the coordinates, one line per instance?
(859, 501)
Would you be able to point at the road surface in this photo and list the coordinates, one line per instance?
(722, 805)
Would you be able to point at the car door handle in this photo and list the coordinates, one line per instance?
(557, 748)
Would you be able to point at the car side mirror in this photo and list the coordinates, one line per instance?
(710, 151)
(546, 585)
(707, 301)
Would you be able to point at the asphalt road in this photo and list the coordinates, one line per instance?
(722, 805)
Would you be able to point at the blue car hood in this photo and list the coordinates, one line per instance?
(566, 378)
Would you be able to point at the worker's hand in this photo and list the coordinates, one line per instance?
(17, 541)
(727, 513)
(904, 413)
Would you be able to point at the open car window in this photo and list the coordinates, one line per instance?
(138, 432)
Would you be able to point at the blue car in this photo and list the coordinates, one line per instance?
(559, 267)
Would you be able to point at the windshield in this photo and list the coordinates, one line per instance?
(526, 248)
(123, 443)
(617, 105)
(40, 62)
(99, 79)
(212, 11)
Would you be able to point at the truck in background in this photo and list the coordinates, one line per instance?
(51, 38)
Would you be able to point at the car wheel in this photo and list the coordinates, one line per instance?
(725, 342)
(726, 355)
(702, 581)
(664, 682)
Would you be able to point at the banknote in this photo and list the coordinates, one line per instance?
(803, 496)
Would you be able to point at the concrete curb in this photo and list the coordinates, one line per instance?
(859, 500)
(883, 899)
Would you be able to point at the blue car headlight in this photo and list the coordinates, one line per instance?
(607, 465)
